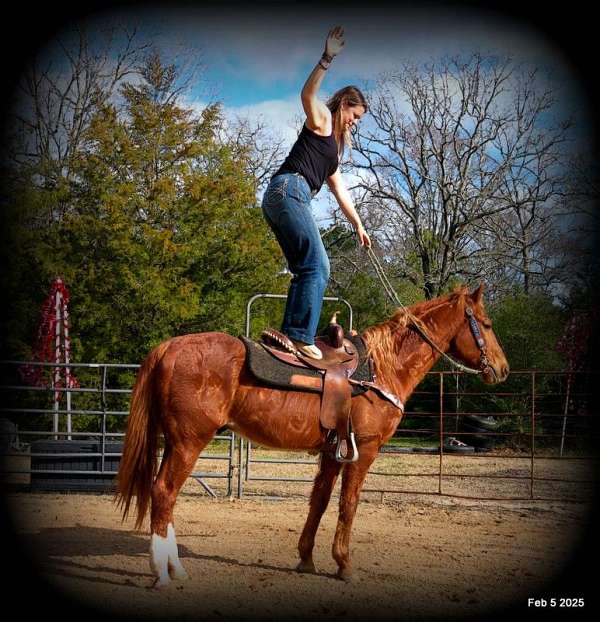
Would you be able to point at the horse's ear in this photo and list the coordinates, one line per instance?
(477, 295)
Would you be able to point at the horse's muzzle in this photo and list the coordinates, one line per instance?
(491, 375)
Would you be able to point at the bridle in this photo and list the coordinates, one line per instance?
(484, 364)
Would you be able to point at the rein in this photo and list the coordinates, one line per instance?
(389, 290)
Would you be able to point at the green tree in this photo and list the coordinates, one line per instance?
(157, 232)
(529, 327)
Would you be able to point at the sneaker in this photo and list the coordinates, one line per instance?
(310, 351)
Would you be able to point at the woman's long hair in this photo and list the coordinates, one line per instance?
(351, 96)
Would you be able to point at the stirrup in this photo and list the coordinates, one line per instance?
(338, 450)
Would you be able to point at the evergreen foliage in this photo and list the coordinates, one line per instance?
(156, 231)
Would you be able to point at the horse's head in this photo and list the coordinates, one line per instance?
(475, 343)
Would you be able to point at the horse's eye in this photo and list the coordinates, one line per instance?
(487, 324)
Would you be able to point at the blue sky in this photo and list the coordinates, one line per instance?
(258, 54)
(255, 58)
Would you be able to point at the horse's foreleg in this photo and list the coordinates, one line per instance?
(177, 463)
(353, 479)
(321, 493)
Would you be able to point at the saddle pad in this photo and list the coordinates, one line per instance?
(275, 373)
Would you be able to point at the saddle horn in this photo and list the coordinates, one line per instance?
(335, 332)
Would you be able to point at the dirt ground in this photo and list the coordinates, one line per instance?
(415, 556)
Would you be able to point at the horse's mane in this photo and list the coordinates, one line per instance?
(390, 339)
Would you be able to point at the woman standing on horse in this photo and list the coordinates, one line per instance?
(313, 159)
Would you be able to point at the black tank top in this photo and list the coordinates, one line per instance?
(314, 157)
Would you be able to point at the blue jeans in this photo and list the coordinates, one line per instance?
(286, 207)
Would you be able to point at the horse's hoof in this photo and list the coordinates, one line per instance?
(344, 574)
(160, 582)
(178, 574)
(307, 567)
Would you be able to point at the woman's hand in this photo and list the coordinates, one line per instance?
(363, 237)
(335, 41)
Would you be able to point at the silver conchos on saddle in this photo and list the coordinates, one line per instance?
(274, 338)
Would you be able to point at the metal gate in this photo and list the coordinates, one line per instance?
(43, 419)
(553, 424)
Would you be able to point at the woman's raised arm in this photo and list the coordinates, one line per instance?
(318, 117)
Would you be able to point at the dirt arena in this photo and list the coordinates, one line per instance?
(415, 556)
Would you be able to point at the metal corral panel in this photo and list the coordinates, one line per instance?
(79, 471)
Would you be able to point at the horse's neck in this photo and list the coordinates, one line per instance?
(416, 357)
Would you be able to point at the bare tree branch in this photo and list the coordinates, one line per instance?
(459, 159)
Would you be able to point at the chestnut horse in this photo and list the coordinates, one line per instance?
(190, 386)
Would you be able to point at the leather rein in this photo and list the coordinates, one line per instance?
(484, 365)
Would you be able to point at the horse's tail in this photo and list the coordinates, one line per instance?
(138, 464)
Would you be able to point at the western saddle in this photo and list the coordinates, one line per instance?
(340, 360)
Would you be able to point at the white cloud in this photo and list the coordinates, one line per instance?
(280, 115)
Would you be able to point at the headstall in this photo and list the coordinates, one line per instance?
(484, 364)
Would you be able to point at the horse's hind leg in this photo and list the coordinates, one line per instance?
(177, 464)
(319, 499)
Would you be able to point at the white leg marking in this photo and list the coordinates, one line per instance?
(164, 558)
(159, 559)
(176, 570)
